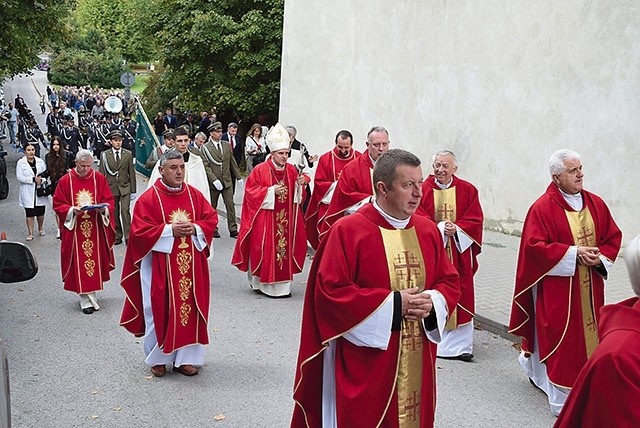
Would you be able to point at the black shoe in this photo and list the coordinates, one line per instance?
(118, 242)
(216, 234)
(233, 234)
(466, 357)
(88, 310)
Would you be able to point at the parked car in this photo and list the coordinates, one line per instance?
(16, 264)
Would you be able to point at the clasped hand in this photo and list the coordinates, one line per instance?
(415, 305)
(450, 228)
(183, 228)
(589, 256)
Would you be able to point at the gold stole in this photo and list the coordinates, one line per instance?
(180, 260)
(583, 230)
(444, 206)
(407, 270)
(88, 226)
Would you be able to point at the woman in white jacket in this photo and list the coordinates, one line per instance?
(29, 171)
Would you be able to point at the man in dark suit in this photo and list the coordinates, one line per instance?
(117, 165)
(221, 169)
(204, 122)
(170, 120)
(237, 145)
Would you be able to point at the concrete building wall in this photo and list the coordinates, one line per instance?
(501, 83)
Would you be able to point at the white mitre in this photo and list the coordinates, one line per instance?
(277, 138)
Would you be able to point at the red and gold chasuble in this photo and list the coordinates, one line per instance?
(271, 243)
(282, 218)
(407, 270)
(583, 228)
(179, 282)
(180, 286)
(86, 250)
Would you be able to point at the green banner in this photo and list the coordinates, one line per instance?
(146, 140)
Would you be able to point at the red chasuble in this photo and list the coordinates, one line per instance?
(86, 252)
(607, 389)
(330, 166)
(354, 185)
(272, 242)
(558, 322)
(467, 215)
(349, 280)
(180, 280)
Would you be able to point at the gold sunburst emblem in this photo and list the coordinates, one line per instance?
(178, 216)
(84, 198)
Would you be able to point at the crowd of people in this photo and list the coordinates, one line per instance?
(392, 280)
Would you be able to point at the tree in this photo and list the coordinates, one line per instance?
(118, 23)
(28, 27)
(221, 53)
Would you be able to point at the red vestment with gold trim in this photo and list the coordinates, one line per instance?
(86, 251)
(348, 282)
(330, 166)
(180, 287)
(469, 218)
(557, 323)
(272, 243)
(606, 391)
(354, 185)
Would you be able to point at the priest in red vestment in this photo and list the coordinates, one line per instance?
(328, 171)
(453, 204)
(84, 206)
(569, 244)
(608, 386)
(165, 274)
(378, 294)
(272, 243)
(355, 185)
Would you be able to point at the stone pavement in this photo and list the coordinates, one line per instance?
(496, 275)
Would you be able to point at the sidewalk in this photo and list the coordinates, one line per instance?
(496, 276)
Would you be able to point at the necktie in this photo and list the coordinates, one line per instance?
(233, 142)
(117, 157)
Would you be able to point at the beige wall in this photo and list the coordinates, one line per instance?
(501, 83)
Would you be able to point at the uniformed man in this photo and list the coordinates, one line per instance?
(116, 164)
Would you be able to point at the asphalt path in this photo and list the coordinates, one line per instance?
(68, 369)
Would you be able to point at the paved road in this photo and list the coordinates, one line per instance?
(74, 370)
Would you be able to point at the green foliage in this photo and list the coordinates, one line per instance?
(27, 28)
(81, 67)
(118, 23)
(220, 55)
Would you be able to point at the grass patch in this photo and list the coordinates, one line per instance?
(141, 83)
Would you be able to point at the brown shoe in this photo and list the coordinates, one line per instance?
(159, 371)
(187, 370)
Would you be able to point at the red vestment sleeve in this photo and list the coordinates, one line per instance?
(353, 186)
(607, 388)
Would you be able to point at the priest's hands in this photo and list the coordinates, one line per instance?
(415, 305)
(184, 228)
(450, 228)
(589, 256)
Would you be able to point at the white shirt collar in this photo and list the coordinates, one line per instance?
(396, 223)
(443, 186)
(574, 201)
(169, 188)
(279, 168)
